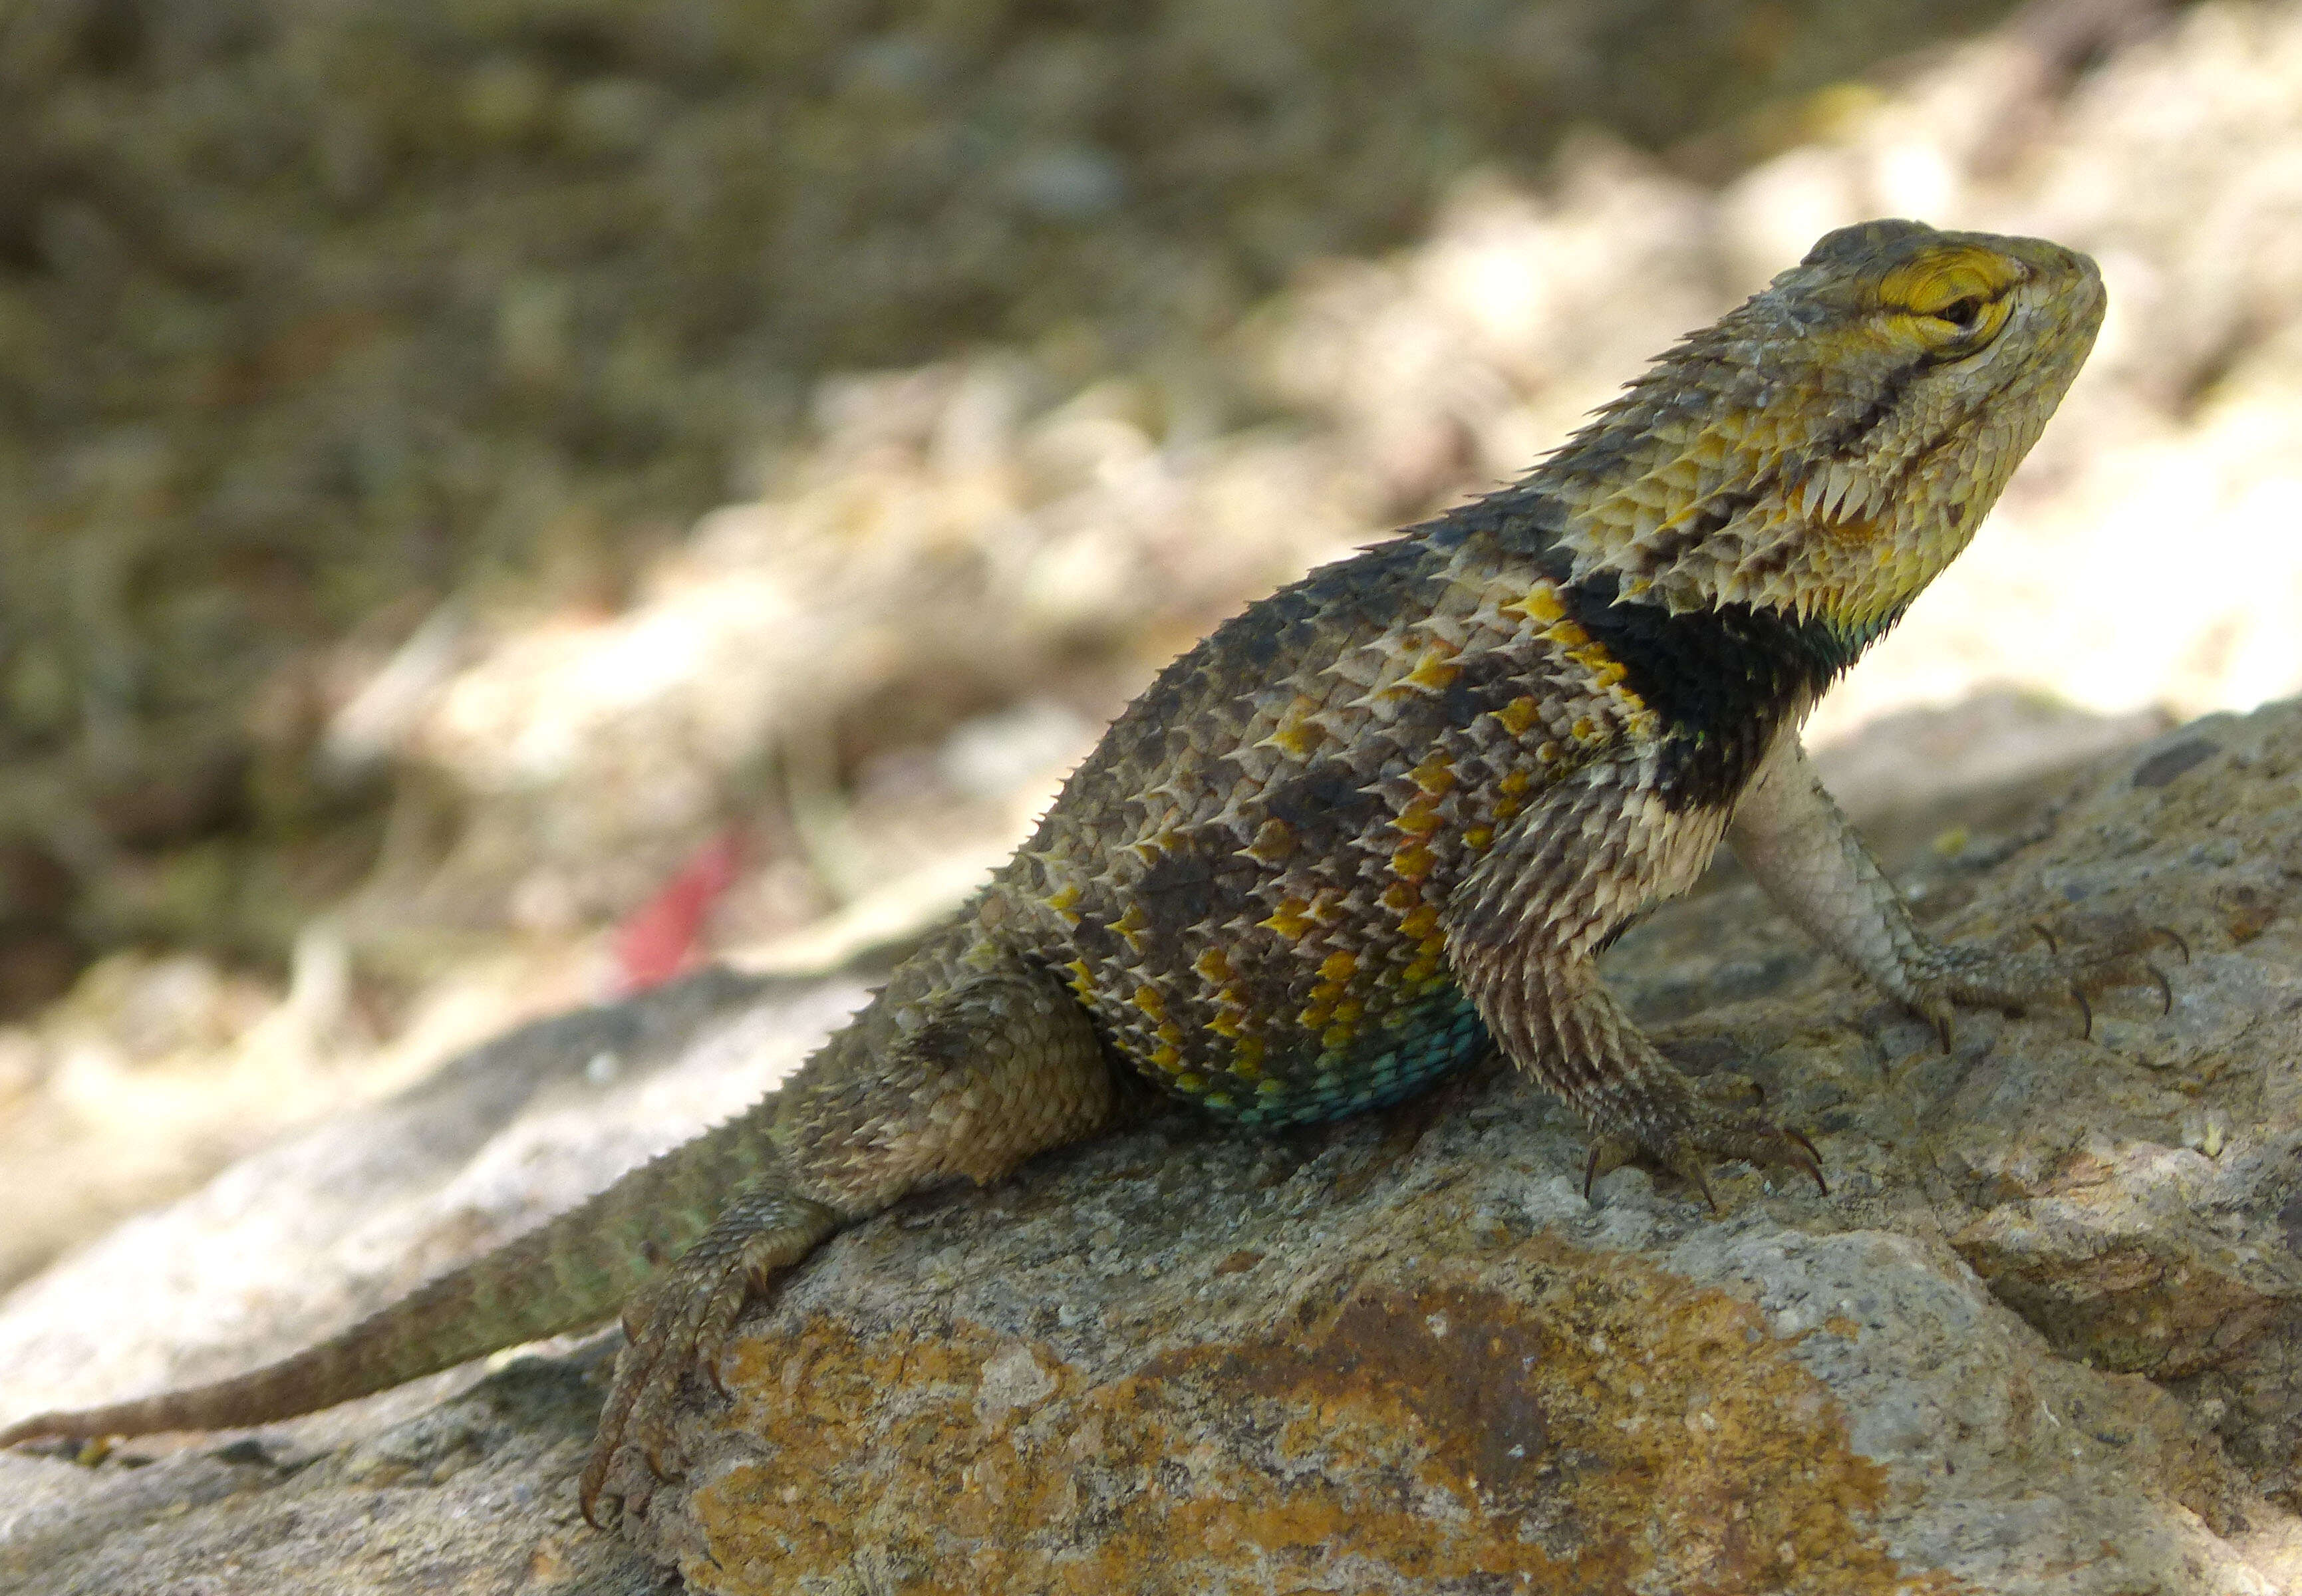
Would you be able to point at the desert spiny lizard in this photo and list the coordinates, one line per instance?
(1374, 827)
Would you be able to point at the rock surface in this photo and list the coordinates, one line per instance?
(2039, 1338)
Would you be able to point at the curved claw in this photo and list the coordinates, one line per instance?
(2166, 989)
(1703, 1130)
(2177, 938)
(652, 1453)
(1813, 1166)
(1692, 1168)
(2047, 936)
(591, 1487)
(1941, 1030)
(2086, 1011)
(609, 1447)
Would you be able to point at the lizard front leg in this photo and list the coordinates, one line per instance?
(969, 1081)
(1555, 1019)
(1523, 933)
(1792, 837)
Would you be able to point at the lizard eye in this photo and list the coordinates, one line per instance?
(1961, 313)
(1953, 301)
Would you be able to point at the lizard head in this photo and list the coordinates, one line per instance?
(1828, 446)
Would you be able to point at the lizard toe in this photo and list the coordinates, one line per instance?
(679, 1324)
(1717, 1121)
(648, 1369)
(1729, 1092)
(1750, 1137)
(2072, 965)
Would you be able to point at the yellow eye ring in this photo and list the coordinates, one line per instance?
(1953, 301)
(1958, 327)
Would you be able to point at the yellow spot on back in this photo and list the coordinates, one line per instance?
(1290, 920)
(1297, 732)
(1540, 604)
(1604, 668)
(1274, 842)
(1434, 672)
(1435, 776)
(1417, 819)
(1518, 715)
(1338, 966)
(1147, 999)
(1213, 965)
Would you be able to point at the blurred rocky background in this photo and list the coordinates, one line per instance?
(502, 500)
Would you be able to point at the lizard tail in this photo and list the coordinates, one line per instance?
(575, 1270)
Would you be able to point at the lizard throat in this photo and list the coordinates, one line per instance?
(1725, 679)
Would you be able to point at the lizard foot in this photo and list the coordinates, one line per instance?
(2104, 951)
(678, 1323)
(1692, 1124)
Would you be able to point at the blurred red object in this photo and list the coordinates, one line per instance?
(664, 935)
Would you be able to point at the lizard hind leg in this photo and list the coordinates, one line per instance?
(968, 1078)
